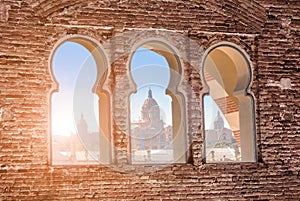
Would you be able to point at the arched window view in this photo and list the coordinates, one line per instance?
(151, 111)
(228, 110)
(75, 124)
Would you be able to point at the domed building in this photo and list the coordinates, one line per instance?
(150, 133)
(150, 113)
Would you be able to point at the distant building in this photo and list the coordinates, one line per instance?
(76, 148)
(220, 143)
(150, 133)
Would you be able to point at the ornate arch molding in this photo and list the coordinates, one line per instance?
(96, 50)
(227, 67)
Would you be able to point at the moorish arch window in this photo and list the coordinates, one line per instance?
(228, 107)
(80, 127)
(156, 107)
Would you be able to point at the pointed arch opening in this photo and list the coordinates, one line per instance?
(156, 107)
(228, 107)
(79, 115)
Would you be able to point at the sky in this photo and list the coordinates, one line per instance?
(72, 66)
(149, 70)
(75, 71)
(211, 110)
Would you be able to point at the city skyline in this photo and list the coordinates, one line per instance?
(148, 69)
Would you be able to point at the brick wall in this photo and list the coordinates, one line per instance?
(267, 30)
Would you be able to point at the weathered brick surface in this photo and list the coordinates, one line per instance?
(267, 30)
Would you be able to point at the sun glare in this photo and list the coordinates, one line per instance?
(63, 125)
(69, 62)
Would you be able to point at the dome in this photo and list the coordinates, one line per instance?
(150, 109)
(149, 102)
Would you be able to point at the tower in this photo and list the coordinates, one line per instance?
(150, 112)
(219, 122)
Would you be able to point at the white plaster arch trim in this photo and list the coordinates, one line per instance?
(101, 59)
(93, 46)
(241, 61)
(162, 47)
(244, 80)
